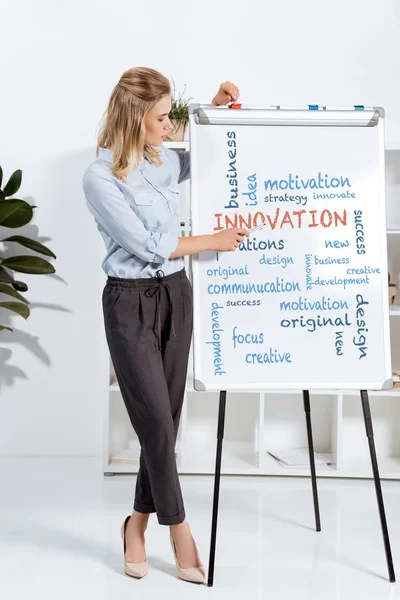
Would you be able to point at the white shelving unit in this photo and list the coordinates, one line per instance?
(258, 421)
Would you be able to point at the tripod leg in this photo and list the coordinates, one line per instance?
(220, 435)
(307, 410)
(378, 488)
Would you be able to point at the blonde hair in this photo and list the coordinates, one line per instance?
(122, 126)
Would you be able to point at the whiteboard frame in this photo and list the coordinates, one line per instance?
(303, 117)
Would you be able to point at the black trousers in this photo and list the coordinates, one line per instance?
(148, 324)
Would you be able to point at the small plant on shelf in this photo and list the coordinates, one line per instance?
(179, 115)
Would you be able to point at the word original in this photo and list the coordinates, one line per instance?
(312, 324)
(227, 272)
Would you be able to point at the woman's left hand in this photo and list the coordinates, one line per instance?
(228, 92)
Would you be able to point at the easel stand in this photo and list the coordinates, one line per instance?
(307, 410)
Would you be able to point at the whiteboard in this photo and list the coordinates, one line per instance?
(302, 304)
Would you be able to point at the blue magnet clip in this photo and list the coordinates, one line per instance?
(313, 107)
(358, 107)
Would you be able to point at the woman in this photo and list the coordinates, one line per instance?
(132, 192)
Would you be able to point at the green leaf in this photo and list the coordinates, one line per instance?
(28, 243)
(2, 196)
(4, 327)
(6, 277)
(7, 289)
(20, 286)
(14, 183)
(15, 213)
(1, 176)
(28, 264)
(17, 307)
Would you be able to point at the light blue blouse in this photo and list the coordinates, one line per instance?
(138, 220)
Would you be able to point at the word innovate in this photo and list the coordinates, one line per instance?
(313, 183)
(292, 219)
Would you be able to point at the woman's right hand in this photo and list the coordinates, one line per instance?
(228, 239)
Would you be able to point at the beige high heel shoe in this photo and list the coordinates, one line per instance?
(193, 574)
(137, 570)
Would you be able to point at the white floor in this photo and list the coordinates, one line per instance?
(59, 537)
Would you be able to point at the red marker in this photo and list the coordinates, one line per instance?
(235, 106)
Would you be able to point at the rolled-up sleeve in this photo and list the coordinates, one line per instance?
(112, 211)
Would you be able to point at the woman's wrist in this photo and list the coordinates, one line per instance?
(210, 241)
(204, 242)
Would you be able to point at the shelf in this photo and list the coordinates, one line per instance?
(273, 467)
(388, 393)
(236, 457)
(355, 457)
(285, 423)
(190, 389)
(241, 443)
(389, 467)
(131, 457)
(300, 392)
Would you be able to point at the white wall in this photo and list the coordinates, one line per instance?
(58, 64)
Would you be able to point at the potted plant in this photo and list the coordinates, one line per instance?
(16, 213)
(393, 291)
(179, 115)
